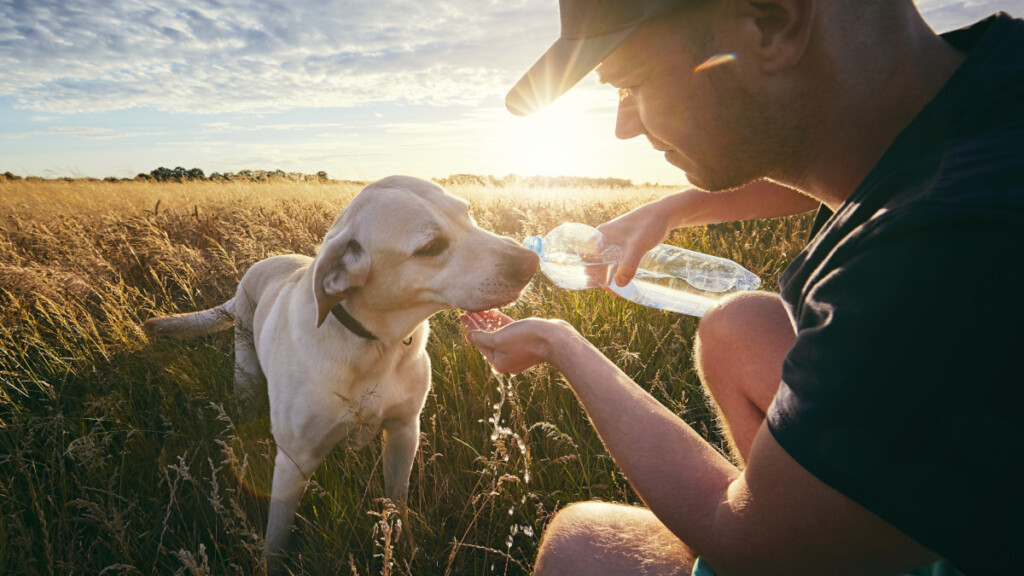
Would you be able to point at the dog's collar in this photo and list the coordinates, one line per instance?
(354, 326)
(351, 323)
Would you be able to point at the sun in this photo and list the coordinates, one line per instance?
(560, 140)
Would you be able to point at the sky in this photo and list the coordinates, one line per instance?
(359, 89)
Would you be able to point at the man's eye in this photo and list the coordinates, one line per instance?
(435, 247)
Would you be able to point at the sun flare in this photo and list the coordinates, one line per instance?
(557, 141)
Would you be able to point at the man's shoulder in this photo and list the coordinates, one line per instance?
(967, 38)
(965, 147)
(955, 170)
(985, 94)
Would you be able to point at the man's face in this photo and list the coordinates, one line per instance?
(706, 122)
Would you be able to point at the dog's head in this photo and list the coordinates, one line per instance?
(405, 247)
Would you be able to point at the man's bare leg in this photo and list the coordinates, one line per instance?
(739, 350)
(597, 538)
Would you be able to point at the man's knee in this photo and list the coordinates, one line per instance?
(566, 538)
(600, 538)
(739, 325)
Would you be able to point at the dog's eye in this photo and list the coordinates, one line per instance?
(435, 247)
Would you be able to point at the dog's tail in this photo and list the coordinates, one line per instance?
(192, 324)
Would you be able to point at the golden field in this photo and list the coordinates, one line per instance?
(124, 456)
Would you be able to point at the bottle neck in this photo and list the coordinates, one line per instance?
(534, 243)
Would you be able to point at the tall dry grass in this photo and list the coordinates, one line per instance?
(122, 456)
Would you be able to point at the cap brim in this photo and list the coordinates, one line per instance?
(561, 68)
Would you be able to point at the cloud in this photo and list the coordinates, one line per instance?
(231, 127)
(215, 56)
(85, 132)
(945, 15)
(210, 56)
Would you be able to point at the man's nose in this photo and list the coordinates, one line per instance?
(627, 122)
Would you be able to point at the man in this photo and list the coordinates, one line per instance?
(874, 403)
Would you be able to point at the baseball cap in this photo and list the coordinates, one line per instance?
(591, 30)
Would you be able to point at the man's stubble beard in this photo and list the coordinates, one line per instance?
(759, 142)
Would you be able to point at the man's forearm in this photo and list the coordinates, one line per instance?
(680, 477)
(760, 199)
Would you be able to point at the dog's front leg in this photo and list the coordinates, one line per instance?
(401, 438)
(285, 493)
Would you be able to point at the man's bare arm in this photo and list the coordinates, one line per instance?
(757, 200)
(773, 517)
(643, 228)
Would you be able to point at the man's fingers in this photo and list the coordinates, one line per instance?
(625, 272)
(483, 341)
(470, 322)
(501, 319)
(477, 321)
(488, 320)
(477, 328)
(628, 264)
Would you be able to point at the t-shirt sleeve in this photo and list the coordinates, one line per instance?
(895, 392)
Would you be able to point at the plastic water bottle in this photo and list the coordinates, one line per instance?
(576, 256)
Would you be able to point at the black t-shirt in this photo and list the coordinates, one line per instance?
(905, 388)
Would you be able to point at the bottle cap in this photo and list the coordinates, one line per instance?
(535, 243)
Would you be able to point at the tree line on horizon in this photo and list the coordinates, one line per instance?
(181, 175)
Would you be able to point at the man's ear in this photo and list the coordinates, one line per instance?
(779, 31)
(341, 266)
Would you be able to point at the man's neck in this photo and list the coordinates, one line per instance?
(881, 88)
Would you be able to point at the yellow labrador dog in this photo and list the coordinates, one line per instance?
(338, 340)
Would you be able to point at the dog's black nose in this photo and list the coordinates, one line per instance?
(519, 266)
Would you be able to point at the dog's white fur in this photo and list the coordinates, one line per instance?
(402, 250)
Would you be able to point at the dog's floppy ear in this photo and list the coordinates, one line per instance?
(341, 267)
